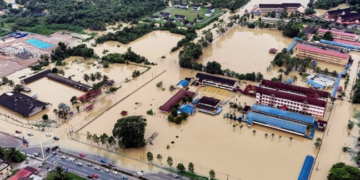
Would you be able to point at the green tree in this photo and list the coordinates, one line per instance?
(169, 161)
(95, 139)
(86, 77)
(159, 157)
(150, 156)
(212, 173)
(131, 131)
(111, 141)
(213, 68)
(88, 136)
(191, 167)
(318, 143)
(104, 139)
(180, 167)
(341, 171)
(60, 173)
(328, 36)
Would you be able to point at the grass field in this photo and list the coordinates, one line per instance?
(70, 176)
(190, 15)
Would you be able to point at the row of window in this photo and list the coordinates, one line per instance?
(288, 102)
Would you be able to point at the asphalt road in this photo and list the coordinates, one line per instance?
(84, 170)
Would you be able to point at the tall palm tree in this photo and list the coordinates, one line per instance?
(98, 76)
(11, 83)
(280, 70)
(92, 77)
(4, 80)
(60, 173)
(86, 77)
(294, 78)
(105, 78)
(9, 154)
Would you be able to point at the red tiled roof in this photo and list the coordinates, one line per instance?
(291, 97)
(322, 51)
(175, 99)
(25, 172)
(293, 88)
(337, 32)
(91, 95)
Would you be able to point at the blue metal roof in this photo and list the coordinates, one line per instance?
(306, 169)
(314, 84)
(273, 121)
(348, 46)
(291, 46)
(285, 114)
(337, 83)
(183, 83)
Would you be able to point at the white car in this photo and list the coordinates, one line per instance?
(48, 135)
(114, 172)
(106, 170)
(97, 168)
(30, 134)
(63, 157)
(71, 159)
(79, 164)
(139, 173)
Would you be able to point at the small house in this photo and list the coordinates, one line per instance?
(191, 24)
(180, 17)
(196, 7)
(166, 19)
(208, 13)
(212, 9)
(200, 19)
(154, 17)
(172, 20)
(165, 14)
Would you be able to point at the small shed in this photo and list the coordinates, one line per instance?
(124, 113)
(90, 107)
(273, 51)
(182, 84)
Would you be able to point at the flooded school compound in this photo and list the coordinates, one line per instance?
(242, 129)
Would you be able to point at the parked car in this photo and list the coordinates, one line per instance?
(30, 134)
(63, 157)
(103, 160)
(97, 168)
(54, 153)
(56, 138)
(47, 149)
(90, 176)
(18, 132)
(89, 165)
(176, 176)
(106, 170)
(48, 135)
(139, 173)
(95, 176)
(55, 148)
(82, 155)
(111, 165)
(114, 172)
(32, 156)
(71, 159)
(36, 154)
(124, 177)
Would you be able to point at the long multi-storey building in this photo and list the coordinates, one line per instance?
(288, 7)
(338, 34)
(317, 54)
(215, 81)
(269, 20)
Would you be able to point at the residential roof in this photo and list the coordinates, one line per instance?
(69, 82)
(337, 32)
(202, 76)
(21, 103)
(209, 101)
(314, 84)
(23, 173)
(183, 83)
(36, 77)
(350, 16)
(277, 122)
(292, 97)
(310, 29)
(283, 114)
(3, 165)
(339, 11)
(283, 5)
(175, 99)
(302, 90)
(322, 51)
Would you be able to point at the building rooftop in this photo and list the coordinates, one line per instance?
(277, 122)
(202, 76)
(3, 165)
(36, 77)
(347, 42)
(283, 5)
(292, 97)
(24, 173)
(175, 99)
(310, 29)
(302, 90)
(21, 103)
(339, 11)
(350, 16)
(337, 32)
(283, 114)
(322, 51)
(274, 19)
(69, 82)
(209, 101)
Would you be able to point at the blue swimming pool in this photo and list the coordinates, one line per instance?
(39, 44)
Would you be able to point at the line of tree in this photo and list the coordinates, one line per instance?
(229, 4)
(62, 51)
(326, 4)
(341, 171)
(356, 96)
(284, 58)
(104, 139)
(129, 55)
(76, 15)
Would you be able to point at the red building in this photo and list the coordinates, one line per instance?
(175, 99)
(24, 173)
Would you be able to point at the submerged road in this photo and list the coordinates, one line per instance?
(82, 166)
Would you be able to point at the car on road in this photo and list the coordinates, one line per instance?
(111, 165)
(48, 135)
(32, 156)
(103, 160)
(82, 155)
(106, 170)
(55, 148)
(176, 176)
(79, 164)
(139, 174)
(47, 149)
(18, 132)
(124, 177)
(56, 138)
(36, 154)
(97, 168)
(30, 134)
(54, 153)
(89, 165)
(95, 176)
(63, 157)
(90, 176)
(71, 159)
(114, 172)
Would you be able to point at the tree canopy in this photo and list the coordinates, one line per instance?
(341, 171)
(190, 52)
(292, 29)
(62, 52)
(328, 36)
(130, 131)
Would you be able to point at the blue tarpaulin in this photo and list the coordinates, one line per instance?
(183, 83)
(314, 84)
(189, 109)
(306, 168)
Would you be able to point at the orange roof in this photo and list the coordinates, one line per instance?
(23, 173)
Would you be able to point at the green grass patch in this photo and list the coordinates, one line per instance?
(70, 176)
(190, 15)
